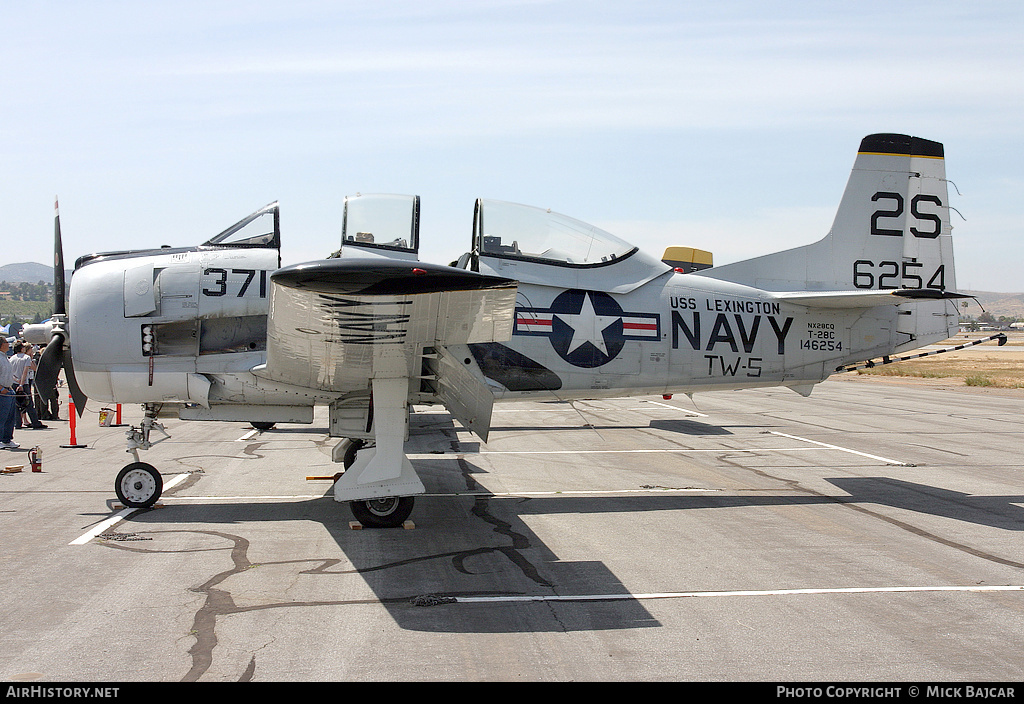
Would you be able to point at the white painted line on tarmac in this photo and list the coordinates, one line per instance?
(239, 497)
(175, 480)
(674, 451)
(248, 435)
(745, 593)
(102, 526)
(575, 492)
(563, 409)
(677, 450)
(843, 449)
(487, 494)
(677, 408)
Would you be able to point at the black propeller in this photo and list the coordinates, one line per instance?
(55, 357)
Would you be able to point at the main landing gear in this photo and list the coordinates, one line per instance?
(383, 512)
(379, 481)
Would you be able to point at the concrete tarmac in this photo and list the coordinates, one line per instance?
(871, 532)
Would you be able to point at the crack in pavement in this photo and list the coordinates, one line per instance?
(219, 602)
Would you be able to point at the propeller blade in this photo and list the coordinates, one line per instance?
(77, 395)
(53, 358)
(58, 265)
(51, 361)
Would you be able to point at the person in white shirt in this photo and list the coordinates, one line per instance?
(8, 406)
(24, 370)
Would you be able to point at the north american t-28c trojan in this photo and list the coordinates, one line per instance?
(541, 306)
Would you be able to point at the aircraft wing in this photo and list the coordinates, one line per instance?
(863, 299)
(336, 324)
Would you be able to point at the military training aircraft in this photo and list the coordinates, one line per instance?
(542, 306)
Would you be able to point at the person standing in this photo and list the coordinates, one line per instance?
(24, 371)
(8, 405)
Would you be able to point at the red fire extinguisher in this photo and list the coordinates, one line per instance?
(35, 456)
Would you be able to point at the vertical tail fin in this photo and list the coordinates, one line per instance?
(891, 231)
(893, 221)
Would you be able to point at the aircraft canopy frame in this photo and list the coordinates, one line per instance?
(251, 231)
(386, 221)
(530, 234)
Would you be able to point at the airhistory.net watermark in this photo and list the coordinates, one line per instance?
(55, 692)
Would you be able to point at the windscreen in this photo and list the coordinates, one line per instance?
(384, 221)
(261, 229)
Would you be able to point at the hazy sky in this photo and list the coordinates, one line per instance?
(731, 126)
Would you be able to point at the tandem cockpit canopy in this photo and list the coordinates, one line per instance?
(259, 230)
(509, 239)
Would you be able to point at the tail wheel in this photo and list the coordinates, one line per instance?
(138, 485)
(385, 512)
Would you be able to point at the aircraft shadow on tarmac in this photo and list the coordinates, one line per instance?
(685, 427)
(470, 543)
(462, 546)
(479, 545)
(992, 511)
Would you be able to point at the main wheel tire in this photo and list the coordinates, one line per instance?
(385, 512)
(262, 425)
(138, 485)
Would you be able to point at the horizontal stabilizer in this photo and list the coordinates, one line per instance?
(863, 299)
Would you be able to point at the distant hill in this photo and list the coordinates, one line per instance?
(1010, 305)
(28, 272)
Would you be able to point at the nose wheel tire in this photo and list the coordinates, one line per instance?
(138, 485)
(385, 512)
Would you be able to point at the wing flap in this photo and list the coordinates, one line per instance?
(464, 395)
(337, 323)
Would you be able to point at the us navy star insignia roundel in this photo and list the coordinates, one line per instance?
(587, 328)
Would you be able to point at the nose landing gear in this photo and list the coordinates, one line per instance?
(138, 485)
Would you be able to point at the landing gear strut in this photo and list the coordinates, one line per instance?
(139, 485)
(383, 512)
(379, 481)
